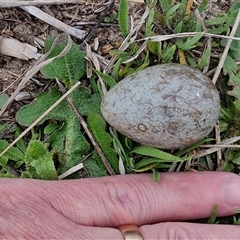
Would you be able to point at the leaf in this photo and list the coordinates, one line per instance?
(204, 60)
(106, 78)
(190, 43)
(152, 161)
(39, 162)
(69, 68)
(156, 153)
(84, 101)
(98, 127)
(50, 128)
(149, 23)
(123, 17)
(156, 175)
(235, 92)
(12, 154)
(67, 140)
(2, 127)
(166, 5)
(213, 216)
(3, 99)
(94, 166)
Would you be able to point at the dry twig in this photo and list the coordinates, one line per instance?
(54, 22)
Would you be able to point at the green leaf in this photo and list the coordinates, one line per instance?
(146, 168)
(3, 99)
(39, 162)
(95, 166)
(156, 153)
(69, 68)
(166, 5)
(123, 17)
(192, 147)
(204, 60)
(213, 216)
(156, 175)
(21, 143)
(50, 128)
(169, 53)
(149, 23)
(67, 141)
(235, 92)
(106, 78)
(190, 43)
(98, 127)
(2, 127)
(170, 13)
(12, 154)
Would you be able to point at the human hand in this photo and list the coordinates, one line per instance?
(95, 208)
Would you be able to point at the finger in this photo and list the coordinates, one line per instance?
(136, 199)
(190, 231)
(114, 201)
(36, 220)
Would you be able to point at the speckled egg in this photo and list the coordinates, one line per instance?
(167, 106)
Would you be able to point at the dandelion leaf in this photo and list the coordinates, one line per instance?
(69, 68)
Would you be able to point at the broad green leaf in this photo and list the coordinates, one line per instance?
(156, 153)
(39, 162)
(67, 141)
(84, 101)
(69, 68)
(98, 127)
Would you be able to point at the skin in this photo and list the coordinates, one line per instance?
(94, 208)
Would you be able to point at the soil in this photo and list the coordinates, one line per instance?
(20, 25)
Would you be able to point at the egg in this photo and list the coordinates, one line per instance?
(168, 106)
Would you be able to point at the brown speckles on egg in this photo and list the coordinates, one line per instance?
(165, 106)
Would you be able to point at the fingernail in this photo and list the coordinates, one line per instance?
(231, 191)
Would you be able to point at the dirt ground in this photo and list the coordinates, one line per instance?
(20, 25)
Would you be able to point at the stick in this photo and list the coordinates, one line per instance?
(14, 3)
(54, 22)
